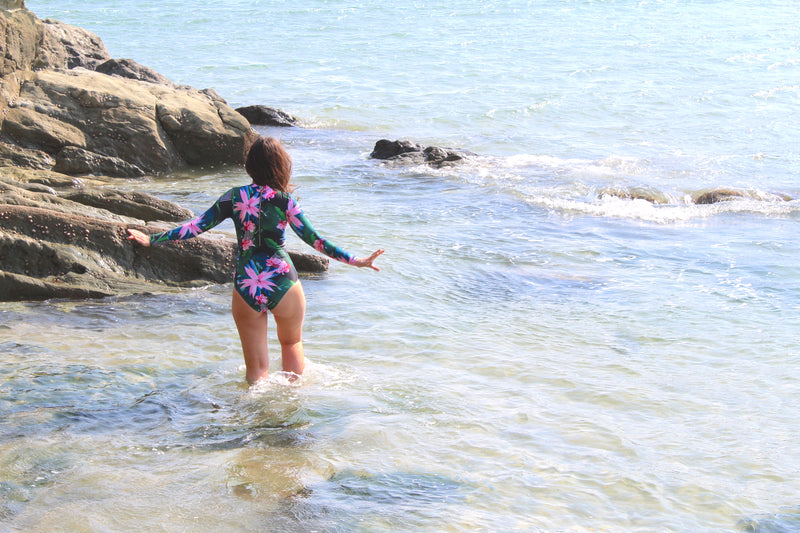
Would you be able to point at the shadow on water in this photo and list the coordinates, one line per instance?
(354, 500)
(786, 522)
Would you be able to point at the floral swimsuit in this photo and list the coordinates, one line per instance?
(264, 271)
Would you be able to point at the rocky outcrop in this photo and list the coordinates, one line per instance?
(64, 237)
(260, 115)
(68, 109)
(120, 125)
(407, 152)
(64, 99)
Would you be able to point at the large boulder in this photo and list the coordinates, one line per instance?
(113, 120)
(62, 95)
(64, 237)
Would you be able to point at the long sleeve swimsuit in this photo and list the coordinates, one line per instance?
(264, 270)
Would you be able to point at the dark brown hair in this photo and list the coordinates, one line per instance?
(268, 163)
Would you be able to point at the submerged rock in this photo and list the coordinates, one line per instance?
(638, 193)
(408, 152)
(715, 196)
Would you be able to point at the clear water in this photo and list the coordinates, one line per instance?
(536, 355)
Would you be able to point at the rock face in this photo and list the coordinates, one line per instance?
(66, 103)
(408, 152)
(64, 237)
(67, 109)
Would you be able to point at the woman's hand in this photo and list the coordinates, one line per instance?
(139, 237)
(367, 262)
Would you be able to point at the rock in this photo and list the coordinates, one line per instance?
(259, 115)
(62, 237)
(152, 128)
(718, 195)
(64, 47)
(77, 161)
(18, 156)
(123, 119)
(128, 68)
(638, 193)
(715, 196)
(407, 152)
(386, 149)
(71, 196)
(20, 35)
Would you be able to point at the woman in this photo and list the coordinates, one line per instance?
(265, 276)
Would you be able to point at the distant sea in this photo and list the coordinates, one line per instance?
(563, 336)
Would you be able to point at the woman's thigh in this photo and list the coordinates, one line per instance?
(289, 315)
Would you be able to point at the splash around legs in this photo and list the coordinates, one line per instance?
(252, 326)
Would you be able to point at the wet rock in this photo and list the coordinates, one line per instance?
(386, 149)
(718, 195)
(259, 115)
(638, 193)
(407, 152)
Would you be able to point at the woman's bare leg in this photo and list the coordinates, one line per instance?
(252, 327)
(289, 315)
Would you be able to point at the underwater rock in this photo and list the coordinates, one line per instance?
(718, 195)
(638, 193)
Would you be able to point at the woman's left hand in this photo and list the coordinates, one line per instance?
(367, 262)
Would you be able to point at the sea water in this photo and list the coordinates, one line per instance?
(560, 339)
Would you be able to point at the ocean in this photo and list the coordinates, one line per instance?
(563, 337)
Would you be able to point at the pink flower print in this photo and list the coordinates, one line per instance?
(249, 226)
(267, 193)
(247, 244)
(248, 206)
(293, 211)
(190, 227)
(256, 280)
(278, 265)
(282, 225)
(352, 260)
(319, 245)
(261, 300)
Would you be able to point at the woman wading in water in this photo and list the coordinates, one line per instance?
(265, 277)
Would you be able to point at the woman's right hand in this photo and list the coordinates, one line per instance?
(139, 237)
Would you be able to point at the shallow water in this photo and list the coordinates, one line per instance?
(536, 355)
